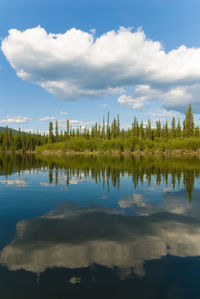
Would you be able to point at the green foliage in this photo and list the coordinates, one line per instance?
(109, 137)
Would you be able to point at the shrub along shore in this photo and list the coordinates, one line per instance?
(119, 146)
(110, 138)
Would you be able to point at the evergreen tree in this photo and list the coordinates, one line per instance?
(1, 138)
(184, 128)
(158, 129)
(189, 122)
(166, 131)
(68, 129)
(173, 128)
(99, 131)
(5, 139)
(51, 136)
(135, 127)
(108, 128)
(118, 126)
(103, 133)
(18, 142)
(114, 129)
(196, 132)
(178, 129)
(141, 130)
(148, 130)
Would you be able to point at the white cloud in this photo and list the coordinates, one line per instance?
(80, 122)
(104, 105)
(47, 118)
(16, 120)
(75, 65)
(129, 101)
(33, 131)
(63, 113)
(164, 113)
(74, 123)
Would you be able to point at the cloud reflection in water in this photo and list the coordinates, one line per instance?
(74, 237)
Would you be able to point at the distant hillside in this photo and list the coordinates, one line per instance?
(14, 132)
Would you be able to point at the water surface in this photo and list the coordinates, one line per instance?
(99, 227)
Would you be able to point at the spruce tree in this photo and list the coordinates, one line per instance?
(189, 122)
(141, 130)
(51, 136)
(103, 133)
(135, 127)
(158, 129)
(196, 131)
(118, 126)
(108, 128)
(148, 130)
(173, 128)
(114, 128)
(166, 130)
(5, 139)
(68, 129)
(184, 128)
(178, 129)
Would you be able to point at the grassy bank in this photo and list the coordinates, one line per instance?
(123, 146)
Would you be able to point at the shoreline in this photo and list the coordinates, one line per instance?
(106, 153)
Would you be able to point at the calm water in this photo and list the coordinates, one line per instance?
(88, 227)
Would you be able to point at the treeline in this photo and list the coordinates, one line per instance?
(21, 141)
(109, 136)
(139, 130)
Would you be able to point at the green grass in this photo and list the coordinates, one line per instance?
(122, 145)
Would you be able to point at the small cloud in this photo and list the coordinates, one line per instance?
(130, 101)
(63, 113)
(77, 123)
(104, 105)
(162, 114)
(15, 120)
(47, 118)
(33, 131)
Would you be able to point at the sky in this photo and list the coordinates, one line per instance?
(79, 60)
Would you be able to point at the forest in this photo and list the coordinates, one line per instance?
(108, 137)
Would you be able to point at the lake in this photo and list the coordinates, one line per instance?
(99, 227)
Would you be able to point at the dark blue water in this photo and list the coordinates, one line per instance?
(99, 227)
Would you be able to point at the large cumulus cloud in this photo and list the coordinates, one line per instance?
(75, 65)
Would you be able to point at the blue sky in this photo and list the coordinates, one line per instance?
(172, 23)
